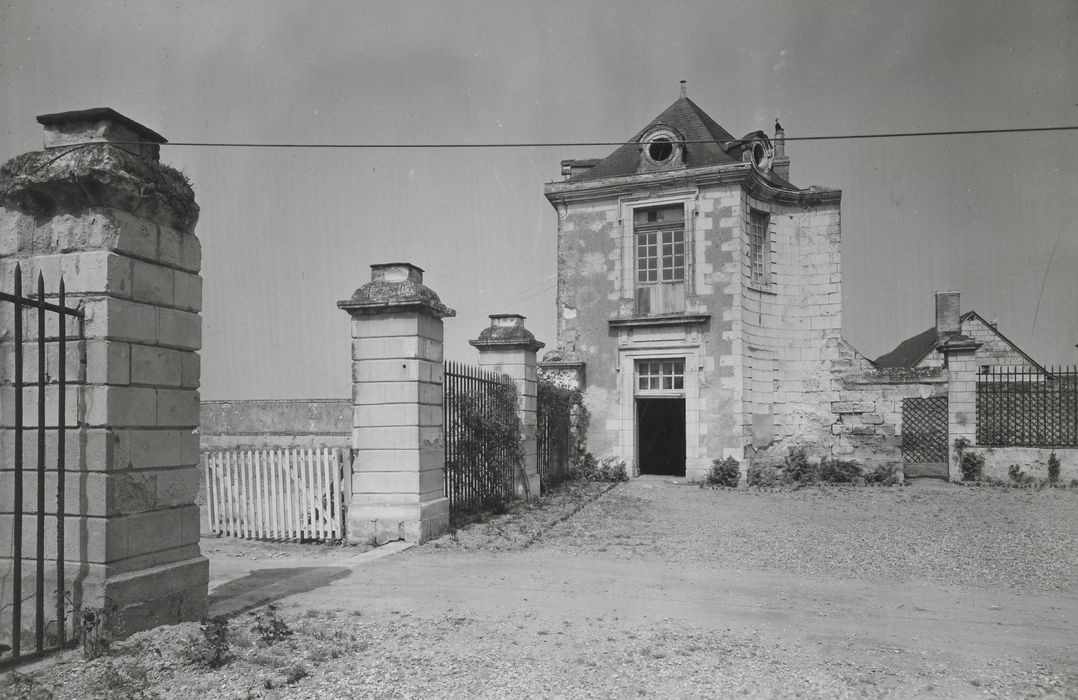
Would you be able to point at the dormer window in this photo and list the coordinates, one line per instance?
(661, 148)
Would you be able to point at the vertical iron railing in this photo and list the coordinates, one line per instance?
(19, 305)
(1025, 406)
(480, 427)
(554, 433)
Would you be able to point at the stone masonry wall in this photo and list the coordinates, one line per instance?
(867, 418)
(276, 423)
(792, 328)
(1032, 460)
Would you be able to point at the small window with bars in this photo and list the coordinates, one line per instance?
(660, 375)
(759, 247)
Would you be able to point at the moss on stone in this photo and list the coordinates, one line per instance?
(100, 174)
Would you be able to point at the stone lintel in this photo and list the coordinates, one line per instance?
(100, 125)
(668, 320)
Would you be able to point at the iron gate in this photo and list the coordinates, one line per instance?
(29, 522)
(924, 436)
(554, 433)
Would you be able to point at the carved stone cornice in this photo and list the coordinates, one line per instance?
(744, 174)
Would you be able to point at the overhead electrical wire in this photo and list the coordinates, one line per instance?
(581, 144)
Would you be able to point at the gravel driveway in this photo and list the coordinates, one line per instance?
(658, 589)
(1015, 538)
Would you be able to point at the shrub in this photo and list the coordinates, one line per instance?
(799, 469)
(212, 649)
(762, 476)
(882, 475)
(583, 466)
(610, 469)
(269, 625)
(839, 471)
(1053, 468)
(972, 466)
(724, 472)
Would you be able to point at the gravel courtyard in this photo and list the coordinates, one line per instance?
(653, 588)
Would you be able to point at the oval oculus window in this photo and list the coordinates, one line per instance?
(660, 149)
(759, 155)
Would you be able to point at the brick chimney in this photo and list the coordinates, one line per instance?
(780, 165)
(948, 315)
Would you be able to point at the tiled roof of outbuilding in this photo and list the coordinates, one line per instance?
(912, 350)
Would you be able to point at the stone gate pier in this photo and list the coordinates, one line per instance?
(98, 207)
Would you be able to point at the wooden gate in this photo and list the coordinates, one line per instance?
(924, 437)
(276, 493)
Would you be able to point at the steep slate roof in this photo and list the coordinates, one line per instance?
(914, 349)
(694, 125)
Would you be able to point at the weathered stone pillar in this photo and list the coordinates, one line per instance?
(508, 347)
(119, 226)
(960, 357)
(398, 470)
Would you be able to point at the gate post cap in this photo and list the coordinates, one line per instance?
(396, 286)
(506, 332)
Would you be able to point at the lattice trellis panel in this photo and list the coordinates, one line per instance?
(924, 430)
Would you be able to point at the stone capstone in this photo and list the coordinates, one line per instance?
(507, 337)
(382, 296)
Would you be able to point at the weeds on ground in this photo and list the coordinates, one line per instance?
(269, 625)
(610, 469)
(212, 649)
(1053, 468)
(93, 630)
(724, 472)
(127, 676)
(763, 476)
(839, 471)
(1019, 477)
(882, 475)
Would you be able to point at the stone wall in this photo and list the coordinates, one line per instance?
(867, 418)
(1032, 460)
(792, 326)
(276, 423)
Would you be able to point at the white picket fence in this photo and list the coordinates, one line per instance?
(282, 493)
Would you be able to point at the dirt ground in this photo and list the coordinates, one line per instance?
(654, 589)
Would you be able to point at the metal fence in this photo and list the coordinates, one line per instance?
(482, 439)
(277, 493)
(554, 433)
(47, 339)
(1023, 406)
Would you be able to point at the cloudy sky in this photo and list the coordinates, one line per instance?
(286, 233)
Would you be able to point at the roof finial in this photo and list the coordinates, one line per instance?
(684, 91)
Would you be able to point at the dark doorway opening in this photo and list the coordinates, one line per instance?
(660, 436)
